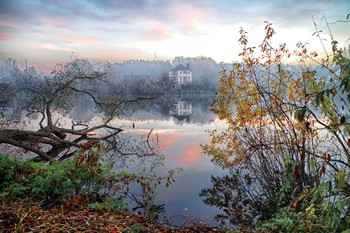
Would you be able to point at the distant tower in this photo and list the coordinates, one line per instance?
(155, 55)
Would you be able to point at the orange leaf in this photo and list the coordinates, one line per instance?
(295, 203)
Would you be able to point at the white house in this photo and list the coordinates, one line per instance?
(181, 75)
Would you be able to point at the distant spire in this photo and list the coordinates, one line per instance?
(155, 55)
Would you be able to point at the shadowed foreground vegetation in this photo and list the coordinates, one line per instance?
(78, 196)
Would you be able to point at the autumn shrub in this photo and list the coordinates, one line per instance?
(289, 220)
(318, 210)
(82, 175)
(86, 177)
(286, 137)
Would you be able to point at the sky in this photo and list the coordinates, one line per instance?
(46, 32)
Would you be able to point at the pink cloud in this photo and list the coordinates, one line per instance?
(50, 46)
(10, 25)
(17, 27)
(53, 22)
(4, 37)
(189, 16)
(111, 56)
(82, 41)
(191, 13)
(157, 32)
(45, 66)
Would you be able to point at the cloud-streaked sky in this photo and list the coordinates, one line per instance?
(49, 31)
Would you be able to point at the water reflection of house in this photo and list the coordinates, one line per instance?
(181, 110)
(180, 75)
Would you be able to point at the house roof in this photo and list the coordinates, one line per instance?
(179, 67)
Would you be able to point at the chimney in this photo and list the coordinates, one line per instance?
(188, 66)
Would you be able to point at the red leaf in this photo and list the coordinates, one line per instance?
(317, 181)
(325, 156)
(323, 169)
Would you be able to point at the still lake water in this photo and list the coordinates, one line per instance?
(181, 124)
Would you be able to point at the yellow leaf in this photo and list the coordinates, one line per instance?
(310, 211)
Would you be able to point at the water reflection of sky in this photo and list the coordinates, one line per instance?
(179, 139)
(180, 143)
